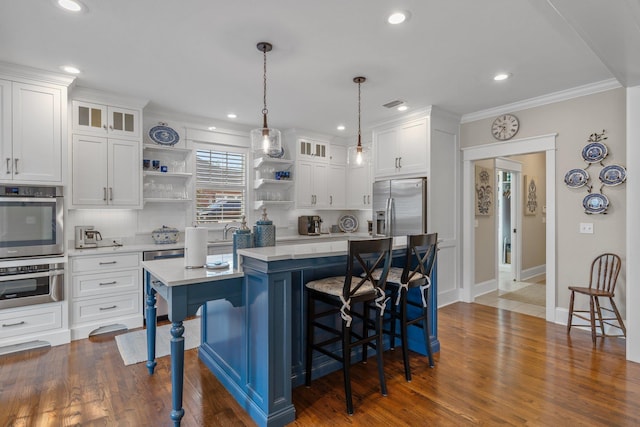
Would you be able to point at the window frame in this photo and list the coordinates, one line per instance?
(217, 147)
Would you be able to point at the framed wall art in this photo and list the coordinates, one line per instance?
(484, 191)
(530, 196)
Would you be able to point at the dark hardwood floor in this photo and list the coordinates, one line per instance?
(495, 367)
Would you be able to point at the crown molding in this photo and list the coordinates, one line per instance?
(538, 101)
(21, 72)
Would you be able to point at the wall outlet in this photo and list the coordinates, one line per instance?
(586, 227)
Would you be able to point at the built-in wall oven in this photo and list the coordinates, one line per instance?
(31, 284)
(31, 221)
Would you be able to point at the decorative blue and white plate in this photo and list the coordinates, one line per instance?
(595, 203)
(348, 223)
(594, 152)
(576, 178)
(613, 175)
(276, 155)
(164, 135)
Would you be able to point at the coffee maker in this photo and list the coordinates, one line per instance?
(309, 225)
(87, 237)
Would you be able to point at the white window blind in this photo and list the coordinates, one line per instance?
(220, 185)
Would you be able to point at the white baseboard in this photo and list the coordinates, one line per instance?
(532, 272)
(449, 297)
(484, 287)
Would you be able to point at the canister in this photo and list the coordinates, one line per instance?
(242, 239)
(264, 232)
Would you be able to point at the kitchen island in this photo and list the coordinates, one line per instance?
(253, 332)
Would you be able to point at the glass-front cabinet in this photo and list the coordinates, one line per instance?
(106, 119)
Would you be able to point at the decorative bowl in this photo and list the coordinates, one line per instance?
(165, 235)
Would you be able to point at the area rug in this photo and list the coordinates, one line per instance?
(133, 345)
(533, 294)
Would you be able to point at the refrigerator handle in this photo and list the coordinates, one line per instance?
(389, 226)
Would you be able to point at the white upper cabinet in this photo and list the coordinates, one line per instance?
(106, 120)
(31, 132)
(106, 172)
(402, 149)
(312, 149)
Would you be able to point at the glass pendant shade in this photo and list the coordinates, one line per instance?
(267, 141)
(358, 155)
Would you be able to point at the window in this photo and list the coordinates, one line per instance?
(220, 184)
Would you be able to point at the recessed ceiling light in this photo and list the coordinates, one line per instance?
(397, 18)
(501, 76)
(403, 108)
(71, 5)
(340, 127)
(231, 116)
(70, 69)
(211, 128)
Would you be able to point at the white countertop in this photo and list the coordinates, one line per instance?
(146, 246)
(172, 271)
(308, 250)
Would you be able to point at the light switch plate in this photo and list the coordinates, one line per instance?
(586, 228)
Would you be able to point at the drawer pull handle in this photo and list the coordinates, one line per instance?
(108, 263)
(107, 283)
(108, 308)
(8, 325)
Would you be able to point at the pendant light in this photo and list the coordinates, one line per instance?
(359, 81)
(266, 139)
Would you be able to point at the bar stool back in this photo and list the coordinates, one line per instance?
(420, 258)
(342, 293)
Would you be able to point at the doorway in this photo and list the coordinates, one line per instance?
(546, 144)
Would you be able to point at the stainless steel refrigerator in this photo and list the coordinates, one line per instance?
(400, 207)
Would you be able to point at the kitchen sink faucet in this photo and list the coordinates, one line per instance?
(227, 228)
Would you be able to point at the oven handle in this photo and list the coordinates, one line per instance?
(28, 199)
(49, 273)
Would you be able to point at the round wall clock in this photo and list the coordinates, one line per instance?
(505, 127)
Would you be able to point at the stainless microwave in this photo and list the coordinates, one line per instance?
(31, 221)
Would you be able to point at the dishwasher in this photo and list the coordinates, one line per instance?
(161, 305)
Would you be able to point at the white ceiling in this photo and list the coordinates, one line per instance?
(199, 57)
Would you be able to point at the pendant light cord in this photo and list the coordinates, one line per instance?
(359, 138)
(264, 80)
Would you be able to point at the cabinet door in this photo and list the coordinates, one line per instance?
(359, 187)
(336, 186)
(385, 152)
(88, 117)
(338, 155)
(37, 133)
(304, 184)
(6, 154)
(413, 148)
(320, 185)
(123, 122)
(124, 173)
(89, 171)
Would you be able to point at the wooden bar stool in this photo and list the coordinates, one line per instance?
(420, 258)
(602, 283)
(342, 293)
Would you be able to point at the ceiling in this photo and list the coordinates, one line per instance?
(199, 57)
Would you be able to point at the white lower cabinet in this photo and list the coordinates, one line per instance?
(106, 292)
(36, 322)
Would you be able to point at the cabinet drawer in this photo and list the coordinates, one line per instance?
(95, 264)
(31, 320)
(106, 308)
(116, 282)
